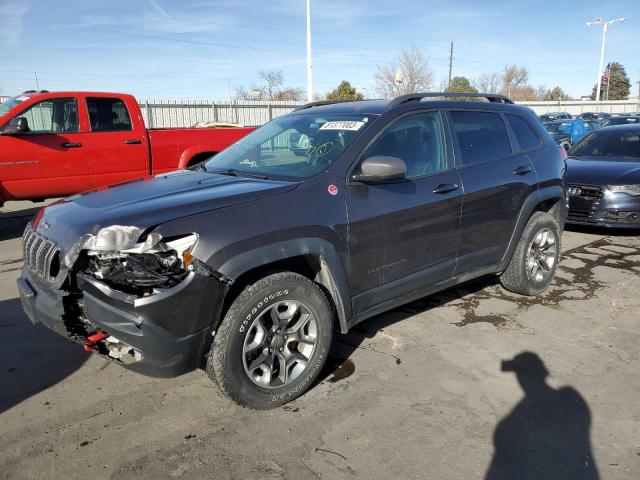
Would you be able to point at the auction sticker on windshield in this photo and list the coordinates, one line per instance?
(342, 125)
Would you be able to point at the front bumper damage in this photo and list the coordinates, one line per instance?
(162, 335)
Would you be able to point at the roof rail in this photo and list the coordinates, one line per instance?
(416, 97)
(29, 91)
(321, 103)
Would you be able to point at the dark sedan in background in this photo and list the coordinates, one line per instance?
(621, 120)
(603, 178)
(599, 116)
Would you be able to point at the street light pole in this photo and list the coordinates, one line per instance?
(605, 27)
(309, 65)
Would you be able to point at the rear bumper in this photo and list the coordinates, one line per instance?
(169, 344)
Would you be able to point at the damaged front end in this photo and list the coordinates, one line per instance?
(145, 269)
(138, 298)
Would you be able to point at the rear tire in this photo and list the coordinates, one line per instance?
(273, 341)
(535, 259)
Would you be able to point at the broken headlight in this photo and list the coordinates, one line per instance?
(141, 268)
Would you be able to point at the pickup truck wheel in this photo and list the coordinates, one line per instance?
(273, 341)
(535, 259)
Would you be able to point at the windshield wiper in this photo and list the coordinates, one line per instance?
(235, 173)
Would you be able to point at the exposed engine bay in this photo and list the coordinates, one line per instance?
(143, 269)
(137, 273)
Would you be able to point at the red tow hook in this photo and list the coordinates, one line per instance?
(90, 344)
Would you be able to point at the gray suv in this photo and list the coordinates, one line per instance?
(244, 265)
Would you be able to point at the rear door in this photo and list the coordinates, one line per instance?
(404, 235)
(117, 148)
(497, 177)
(48, 160)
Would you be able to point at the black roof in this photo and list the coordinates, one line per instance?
(415, 100)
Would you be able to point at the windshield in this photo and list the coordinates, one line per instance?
(621, 120)
(12, 102)
(553, 127)
(291, 147)
(613, 143)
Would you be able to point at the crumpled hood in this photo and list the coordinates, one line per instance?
(148, 202)
(596, 171)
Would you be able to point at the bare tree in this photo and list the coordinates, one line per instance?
(488, 82)
(416, 74)
(515, 76)
(271, 88)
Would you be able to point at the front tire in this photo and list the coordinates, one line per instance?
(535, 259)
(273, 341)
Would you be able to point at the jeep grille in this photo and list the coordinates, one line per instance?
(38, 253)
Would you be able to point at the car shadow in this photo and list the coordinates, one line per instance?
(12, 223)
(547, 434)
(339, 365)
(605, 231)
(32, 358)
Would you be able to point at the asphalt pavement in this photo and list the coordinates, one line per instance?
(472, 383)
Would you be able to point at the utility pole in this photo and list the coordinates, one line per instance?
(450, 64)
(605, 27)
(309, 65)
(35, 75)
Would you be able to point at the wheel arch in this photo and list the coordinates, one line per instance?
(313, 258)
(550, 199)
(196, 154)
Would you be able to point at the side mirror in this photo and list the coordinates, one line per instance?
(381, 169)
(16, 126)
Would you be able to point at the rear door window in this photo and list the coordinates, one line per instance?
(482, 136)
(56, 115)
(526, 136)
(108, 115)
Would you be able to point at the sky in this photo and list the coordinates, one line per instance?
(205, 48)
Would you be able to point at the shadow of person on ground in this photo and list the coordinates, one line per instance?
(32, 358)
(546, 435)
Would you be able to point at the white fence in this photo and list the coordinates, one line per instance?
(183, 113)
(578, 107)
(161, 113)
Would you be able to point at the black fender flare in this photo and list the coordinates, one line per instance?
(551, 192)
(331, 276)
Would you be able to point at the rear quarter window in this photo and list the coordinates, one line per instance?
(482, 136)
(525, 134)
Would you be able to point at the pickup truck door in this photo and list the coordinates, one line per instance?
(116, 143)
(49, 159)
(404, 235)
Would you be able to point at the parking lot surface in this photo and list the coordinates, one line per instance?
(418, 392)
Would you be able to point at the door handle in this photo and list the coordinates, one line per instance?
(445, 188)
(522, 170)
(132, 141)
(71, 145)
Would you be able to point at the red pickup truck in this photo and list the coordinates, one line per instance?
(59, 143)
